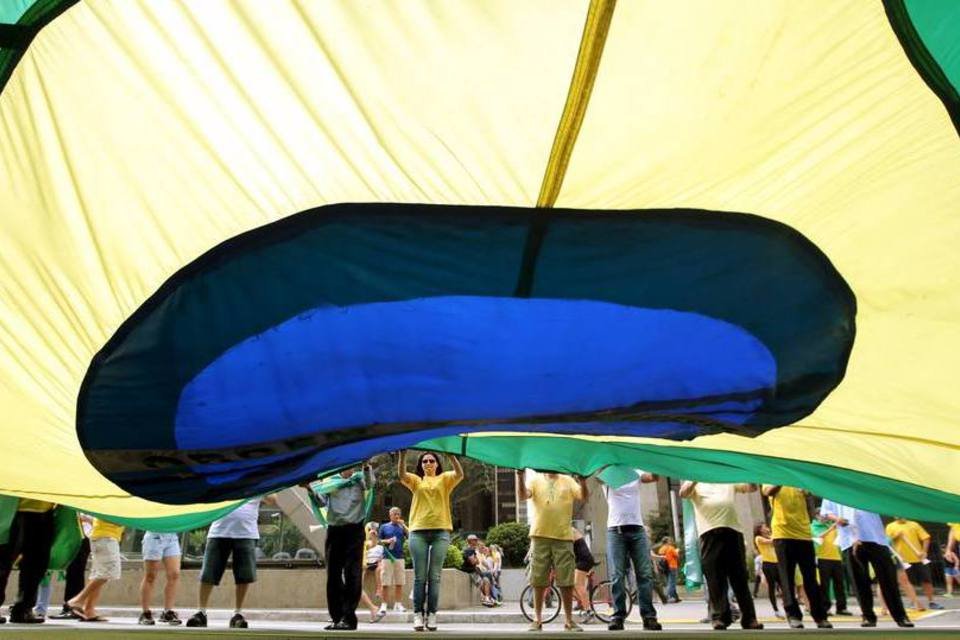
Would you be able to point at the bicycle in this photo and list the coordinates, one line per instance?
(601, 600)
(551, 601)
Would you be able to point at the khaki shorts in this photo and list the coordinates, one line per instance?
(394, 574)
(551, 554)
(105, 556)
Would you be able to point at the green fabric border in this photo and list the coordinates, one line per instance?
(172, 524)
(39, 15)
(571, 455)
(922, 59)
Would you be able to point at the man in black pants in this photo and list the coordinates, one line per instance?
(790, 523)
(861, 536)
(31, 535)
(722, 552)
(343, 550)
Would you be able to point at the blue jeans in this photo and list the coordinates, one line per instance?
(428, 548)
(625, 545)
(672, 584)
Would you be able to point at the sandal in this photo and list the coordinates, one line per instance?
(535, 626)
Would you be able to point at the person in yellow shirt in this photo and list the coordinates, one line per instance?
(790, 523)
(769, 568)
(105, 555)
(551, 538)
(912, 542)
(30, 536)
(430, 525)
(829, 562)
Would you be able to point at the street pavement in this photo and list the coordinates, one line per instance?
(683, 618)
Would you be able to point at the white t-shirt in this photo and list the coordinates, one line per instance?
(240, 524)
(623, 504)
(714, 506)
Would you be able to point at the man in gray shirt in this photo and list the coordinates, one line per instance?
(344, 499)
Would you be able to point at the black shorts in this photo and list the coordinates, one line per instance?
(219, 550)
(919, 573)
(582, 556)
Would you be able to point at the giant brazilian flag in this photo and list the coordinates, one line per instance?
(244, 242)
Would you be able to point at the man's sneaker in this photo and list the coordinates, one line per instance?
(146, 618)
(868, 622)
(418, 621)
(616, 624)
(3, 620)
(844, 612)
(199, 619)
(399, 608)
(651, 624)
(24, 617)
(238, 622)
(170, 617)
(824, 624)
(383, 609)
(904, 622)
(795, 623)
(432, 622)
(935, 606)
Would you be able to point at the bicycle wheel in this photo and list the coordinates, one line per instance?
(551, 604)
(601, 601)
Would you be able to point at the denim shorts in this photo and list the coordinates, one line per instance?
(219, 550)
(157, 546)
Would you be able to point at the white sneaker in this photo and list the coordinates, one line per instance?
(418, 622)
(383, 607)
(432, 622)
(399, 608)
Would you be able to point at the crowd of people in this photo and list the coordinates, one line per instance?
(802, 554)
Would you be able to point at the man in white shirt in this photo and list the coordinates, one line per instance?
(627, 542)
(722, 552)
(863, 541)
(234, 534)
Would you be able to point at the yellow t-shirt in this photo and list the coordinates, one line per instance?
(34, 506)
(767, 552)
(955, 528)
(553, 505)
(910, 541)
(790, 518)
(431, 500)
(104, 529)
(828, 549)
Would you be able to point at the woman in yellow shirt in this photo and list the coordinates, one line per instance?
(430, 526)
(771, 571)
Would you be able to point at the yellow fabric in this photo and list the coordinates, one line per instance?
(136, 135)
(828, 549)
(790, 518)
(430, 508)
(767, 552)
(105, 529)
(907, 538)
(553, 499)
(35, 506)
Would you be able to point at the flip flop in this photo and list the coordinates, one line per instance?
(94, 619)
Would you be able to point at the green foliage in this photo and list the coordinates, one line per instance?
(453, 560)
(513, 538)
(454, 557)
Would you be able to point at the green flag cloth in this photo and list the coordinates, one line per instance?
(617, 475)
(328, 485)
(691, 546)
(8, 510)
(67, 538)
